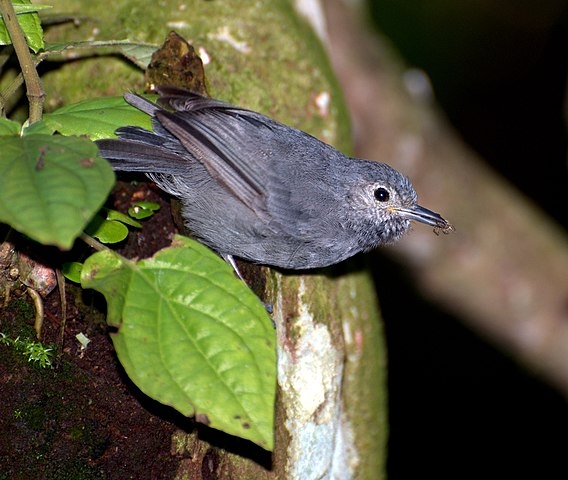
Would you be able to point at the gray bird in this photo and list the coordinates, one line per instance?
(259, 190)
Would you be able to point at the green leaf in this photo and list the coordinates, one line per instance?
(107, 231)
(97, 118)
(121, 217)
(192, 335)
(72, 271)
(9, 127)
(20, 8)
(30, 23)
(138, 53)
(141, 210)
(37, 128)
(51, 186)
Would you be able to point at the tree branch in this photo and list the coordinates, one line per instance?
(33, 83)
(504, 271)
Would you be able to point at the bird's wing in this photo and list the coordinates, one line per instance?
(138, 150)
(224, 147)
(232, 143)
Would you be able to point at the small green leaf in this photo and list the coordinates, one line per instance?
(29, 22)
(9, 127)
(37, 128)
(20, 8)
(51, 186)
(192, 335)
(138, 53)
(97, 118)
(121, 217)
(148, 205)
(107, 231)
(141, 210)
(72, 271)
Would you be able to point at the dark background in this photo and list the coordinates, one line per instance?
(460, 408)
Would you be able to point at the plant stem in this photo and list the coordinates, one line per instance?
(33, 83)
(63, 302)
(99, 247)
(38, 304)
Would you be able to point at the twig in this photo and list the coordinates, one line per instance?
(98, 246)
(38, 304)
(63, 300)
(34, 87)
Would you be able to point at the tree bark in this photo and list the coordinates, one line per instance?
(331, 402)
(504, 271)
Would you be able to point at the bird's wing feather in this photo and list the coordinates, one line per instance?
(229, 141)
(138, 150)
(226, 147)
(236, 146)
(248, 154)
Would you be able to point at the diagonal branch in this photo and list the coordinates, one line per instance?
(504, 272)
(33, 83)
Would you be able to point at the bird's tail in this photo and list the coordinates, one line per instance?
(138, 150)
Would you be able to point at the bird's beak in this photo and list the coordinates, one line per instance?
(423, 215)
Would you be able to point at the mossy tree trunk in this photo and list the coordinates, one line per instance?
(331, 408)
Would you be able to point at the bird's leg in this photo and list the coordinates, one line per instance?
(231, 261)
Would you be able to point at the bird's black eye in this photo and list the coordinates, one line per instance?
(382, 194)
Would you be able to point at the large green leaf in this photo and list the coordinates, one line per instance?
(192, 335)
(97, 118)
(9, 127)
(51, 186)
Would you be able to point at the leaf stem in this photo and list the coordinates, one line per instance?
(38, 304)
(98, 246)
(34, 87)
